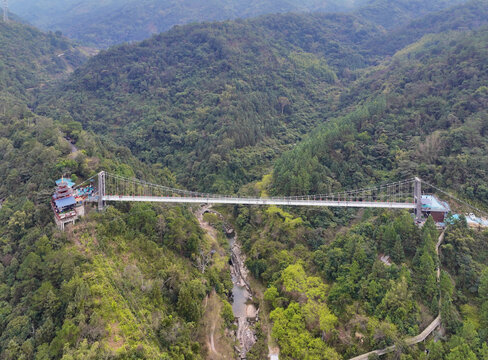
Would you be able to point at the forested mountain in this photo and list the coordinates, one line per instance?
(223, 98)
(423, 112)
(66, 295)
(284, 104)
(111, 22)
(105, 23)
(28, 60)
(468, 16)
(226, 98)
(392, 14)
(30, 57)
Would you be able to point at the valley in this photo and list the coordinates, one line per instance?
(312, 125)
(243, 309)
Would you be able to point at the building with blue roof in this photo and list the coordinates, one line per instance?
(434, 207)
(63, 203)
(68, 182)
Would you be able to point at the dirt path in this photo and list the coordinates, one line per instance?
(213, 307)
(244, 310)
(72, 148)
(439, 242)
(274, 352)
(219, 346)
(203, 224)
(212, 342)
(216, 340)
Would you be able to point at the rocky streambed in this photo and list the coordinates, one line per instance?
(243, 307)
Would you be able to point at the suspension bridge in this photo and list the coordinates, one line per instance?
(406, 194)
(105, 187)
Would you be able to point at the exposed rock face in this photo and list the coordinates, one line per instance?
(238, 269)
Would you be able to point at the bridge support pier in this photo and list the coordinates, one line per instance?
(417, 195)
(101, 190)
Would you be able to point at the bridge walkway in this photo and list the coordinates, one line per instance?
(259, 201)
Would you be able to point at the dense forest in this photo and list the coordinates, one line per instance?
(102, 24)
(331, 297)
(29, 58)
(29, 144)
(281, 104)
(235, 93)
(422, 113)
(66, 295)
(392, 14)
(106, 23)
(468, 16)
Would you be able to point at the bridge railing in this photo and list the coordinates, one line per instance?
(397, 192)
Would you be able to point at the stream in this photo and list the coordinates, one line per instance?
(244, 310)
(242, 306)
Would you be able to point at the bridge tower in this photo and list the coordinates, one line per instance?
(101, 190)
(5, 10)
(417, 196)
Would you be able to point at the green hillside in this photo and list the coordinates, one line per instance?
(29, 58)
(30, 144)
(109, 22)
(112, 22)
(469, 16)
(281, 104)
(423, 112)
(216, 102)
(392, 14)
(92, 292)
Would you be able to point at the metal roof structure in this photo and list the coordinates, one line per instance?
(68, 182)
(432, 203)
(65, 202)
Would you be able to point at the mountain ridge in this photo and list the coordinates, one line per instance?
(318, 54)
(219, 104)
(204, 79)
(46, 56)
(110, 22)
